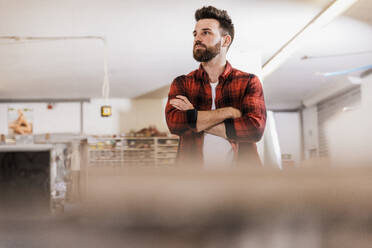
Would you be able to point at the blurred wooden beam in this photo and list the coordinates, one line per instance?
(331, 12)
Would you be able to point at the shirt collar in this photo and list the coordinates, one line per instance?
(202, 74)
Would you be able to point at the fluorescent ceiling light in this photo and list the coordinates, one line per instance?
(338, 73)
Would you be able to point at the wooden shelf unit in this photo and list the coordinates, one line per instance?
(132, 151)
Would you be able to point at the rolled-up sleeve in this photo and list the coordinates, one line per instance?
(250, 127)
(179, 121)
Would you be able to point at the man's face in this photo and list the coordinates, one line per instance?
(207, 40)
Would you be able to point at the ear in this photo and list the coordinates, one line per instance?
(227, 41)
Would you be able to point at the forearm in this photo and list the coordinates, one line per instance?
(181, 111)
(178, 121)
(248, 128)
(208, 119)
(218, 130)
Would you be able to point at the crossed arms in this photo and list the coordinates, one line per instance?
(208, 121)
(246, 124)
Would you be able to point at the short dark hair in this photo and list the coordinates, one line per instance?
(210, 12)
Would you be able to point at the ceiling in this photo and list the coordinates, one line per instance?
(150, 43)
(343, 44)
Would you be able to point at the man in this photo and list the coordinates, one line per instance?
(218, 111)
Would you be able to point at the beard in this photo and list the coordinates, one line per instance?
(206, 54)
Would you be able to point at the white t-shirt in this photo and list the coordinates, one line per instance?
(217, 151)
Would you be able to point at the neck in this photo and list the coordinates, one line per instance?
(215, 67)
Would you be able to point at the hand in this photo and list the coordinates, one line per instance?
(181, 103)
(235, 113)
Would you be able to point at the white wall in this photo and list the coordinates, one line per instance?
(268, 146)
(3, 119)
(310, 131)
(350, 135)
(289, 132)
(127, 115)
(64, 117)
(248, 60)
(145, 112)
(95, 124)
(366, 90)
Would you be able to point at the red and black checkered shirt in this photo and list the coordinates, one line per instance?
(236, 89)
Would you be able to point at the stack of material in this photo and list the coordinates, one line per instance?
(150, 131)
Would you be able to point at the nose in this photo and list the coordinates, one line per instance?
(198, 42)
(197, 39)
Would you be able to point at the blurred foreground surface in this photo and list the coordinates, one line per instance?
(177, 207)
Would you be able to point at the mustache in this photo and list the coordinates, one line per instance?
(200, 44)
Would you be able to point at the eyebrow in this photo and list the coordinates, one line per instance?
(204, 29)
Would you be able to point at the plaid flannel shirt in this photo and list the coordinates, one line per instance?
(236, 89)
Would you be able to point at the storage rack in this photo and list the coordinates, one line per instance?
(166, 150)
(132, 151)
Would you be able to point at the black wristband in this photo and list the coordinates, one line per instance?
(192, 116)
(230, 130)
